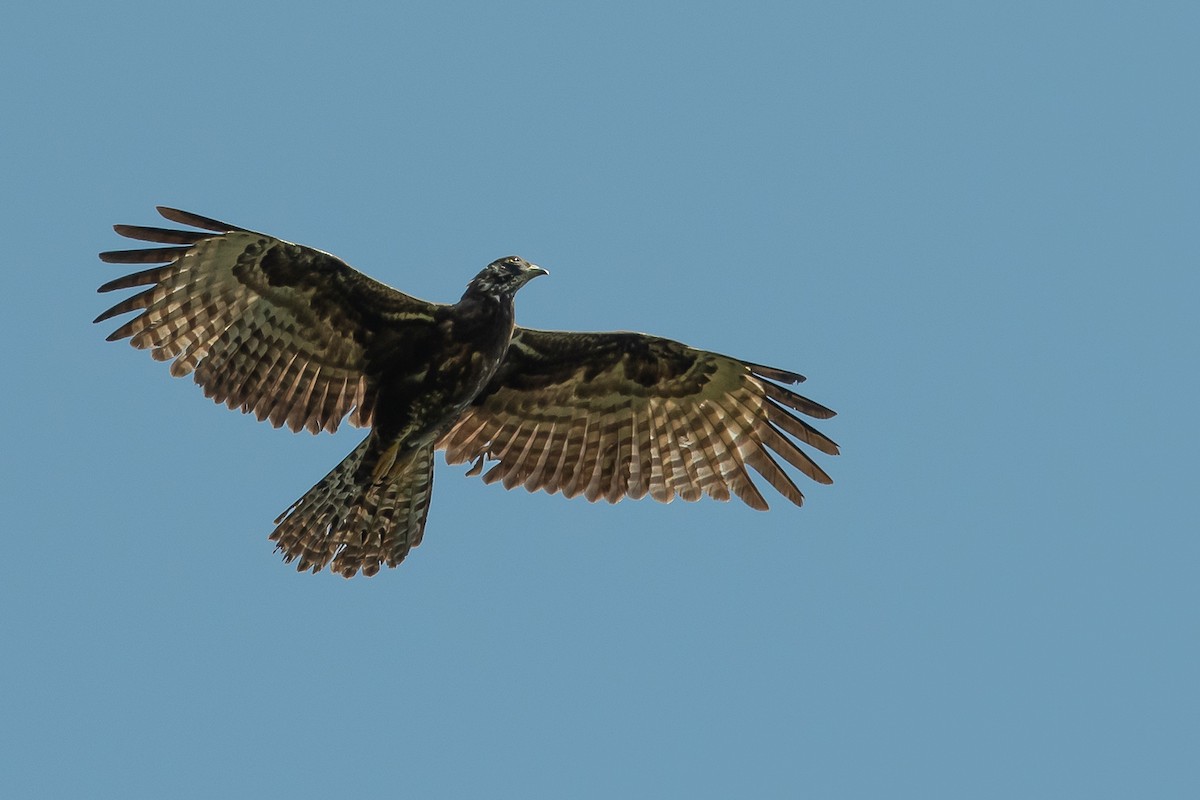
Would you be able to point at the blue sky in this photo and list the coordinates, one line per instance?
(972, 226)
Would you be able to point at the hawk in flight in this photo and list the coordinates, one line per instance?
(296, 336)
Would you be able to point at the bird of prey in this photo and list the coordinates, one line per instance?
(296, 336)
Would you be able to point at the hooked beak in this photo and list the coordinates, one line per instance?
(533, 270)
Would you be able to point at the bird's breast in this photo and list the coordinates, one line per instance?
(426, 385)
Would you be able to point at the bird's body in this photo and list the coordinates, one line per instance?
(296, 336)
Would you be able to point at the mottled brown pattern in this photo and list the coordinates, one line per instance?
(295, 336)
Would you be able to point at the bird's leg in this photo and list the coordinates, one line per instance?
(387, 459)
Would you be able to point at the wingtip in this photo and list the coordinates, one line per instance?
(196, 220)
(775, 373)
(173, 214)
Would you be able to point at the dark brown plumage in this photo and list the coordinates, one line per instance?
(295, 336)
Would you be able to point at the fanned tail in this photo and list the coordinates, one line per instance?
(369, 511)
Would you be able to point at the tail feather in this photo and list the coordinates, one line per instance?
(409, 508)
(363, 514)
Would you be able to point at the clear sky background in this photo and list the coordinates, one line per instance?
(973, 226)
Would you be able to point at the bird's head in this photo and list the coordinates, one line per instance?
(504, 277)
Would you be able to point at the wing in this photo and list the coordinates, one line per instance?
(273, 328)
(624, 414)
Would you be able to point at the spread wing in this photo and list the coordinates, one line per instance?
(273, 328)
(624, 414)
